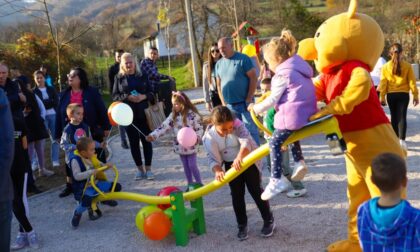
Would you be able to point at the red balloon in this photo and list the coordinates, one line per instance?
(111, 121)
(165, 192)
(157, 226)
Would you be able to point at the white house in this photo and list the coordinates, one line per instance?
(178, 42)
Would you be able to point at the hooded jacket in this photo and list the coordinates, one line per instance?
(292, 95)
(402, 235)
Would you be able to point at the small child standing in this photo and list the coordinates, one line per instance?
(299, 189)
(293, 97)
(184, 114)
(82, 164)
(73, 131)
(19, 173)
(389, 223)
(228, 142)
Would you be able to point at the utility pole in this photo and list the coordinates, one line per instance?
(192, 42)
(238, 37)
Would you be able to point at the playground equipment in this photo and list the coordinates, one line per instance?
(182, 217)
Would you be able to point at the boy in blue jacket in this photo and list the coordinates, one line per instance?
(389, 223)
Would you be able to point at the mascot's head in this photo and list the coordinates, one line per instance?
(343, 37)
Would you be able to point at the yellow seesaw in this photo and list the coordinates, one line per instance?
(327, 125)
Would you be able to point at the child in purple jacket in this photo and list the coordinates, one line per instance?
(389, 223)
(293, 97)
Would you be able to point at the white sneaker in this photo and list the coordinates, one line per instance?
(20, 242)
(284, 184)
(56, 164)
(300, 171)
(272, 189)
(34, 167)
(45, 173)
(296, 193)
(33, 240)
(403, 144)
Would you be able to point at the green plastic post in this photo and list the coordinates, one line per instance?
(199, 223)
(182, 217)
(179, 219)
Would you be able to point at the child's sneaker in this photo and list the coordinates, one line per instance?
(284, 184)
(33, 240)
(20, 242)
(149, 175)
(296, 193)
(111, 203)
(140, 175)
(300, 171)
(403, 145)
(268, 229)
(243, 233)
(273, 188)
(76, 219)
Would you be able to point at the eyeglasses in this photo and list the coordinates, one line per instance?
(215, 50)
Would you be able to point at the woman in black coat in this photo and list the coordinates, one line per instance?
(132, 87)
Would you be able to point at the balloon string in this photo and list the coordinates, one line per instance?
(106, 140)
(138, 130)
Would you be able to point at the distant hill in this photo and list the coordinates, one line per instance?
(89, 10)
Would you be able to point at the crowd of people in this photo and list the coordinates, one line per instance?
(76, 121)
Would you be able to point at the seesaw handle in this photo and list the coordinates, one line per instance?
(103, 168)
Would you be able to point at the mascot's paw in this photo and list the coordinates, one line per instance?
(344, 246)
(318, 114)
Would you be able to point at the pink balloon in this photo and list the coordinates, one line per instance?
(186, 137)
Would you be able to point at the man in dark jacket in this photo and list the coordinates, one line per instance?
(6, 158)
(11, 89)
(113, 70)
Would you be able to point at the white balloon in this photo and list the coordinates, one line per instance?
(122, 114)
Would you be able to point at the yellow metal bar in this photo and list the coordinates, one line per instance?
(229, 176)
(259, 124)
(323, 125)
(102, 168)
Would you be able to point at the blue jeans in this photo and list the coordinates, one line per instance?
(5, 224)
(241, 112)
(55, 147)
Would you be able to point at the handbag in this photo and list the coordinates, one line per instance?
(155, 114)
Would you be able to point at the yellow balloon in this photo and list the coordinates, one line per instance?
(249, 50)
(143, 214)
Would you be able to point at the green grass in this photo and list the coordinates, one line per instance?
(107, 99)
(8, 46)
(182, 74)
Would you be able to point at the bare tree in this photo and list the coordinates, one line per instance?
(60, 40)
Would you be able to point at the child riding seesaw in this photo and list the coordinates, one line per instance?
(83, 164)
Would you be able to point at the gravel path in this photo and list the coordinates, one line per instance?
(309, 223)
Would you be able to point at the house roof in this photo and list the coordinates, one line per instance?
(151, 36)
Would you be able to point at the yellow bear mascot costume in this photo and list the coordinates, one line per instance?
(345, 49)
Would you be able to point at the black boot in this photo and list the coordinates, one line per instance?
(66, 192)
(92, 215)
(33, 189)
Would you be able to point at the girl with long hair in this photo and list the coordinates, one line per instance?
(211, 95)
(397, 79)
(184, 114)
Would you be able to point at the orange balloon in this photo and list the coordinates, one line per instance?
(157, 226)
(113, 123)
